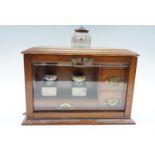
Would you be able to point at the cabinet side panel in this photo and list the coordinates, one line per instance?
(28, 86)
(130, 89)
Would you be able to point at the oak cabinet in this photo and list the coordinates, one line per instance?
(79, 86)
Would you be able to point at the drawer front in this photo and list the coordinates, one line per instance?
(68, 58)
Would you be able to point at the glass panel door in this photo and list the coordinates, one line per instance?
(65, 86)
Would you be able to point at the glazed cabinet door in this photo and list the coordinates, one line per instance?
(77, 87)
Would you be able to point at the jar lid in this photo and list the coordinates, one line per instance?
(82, 29)
(78, 77)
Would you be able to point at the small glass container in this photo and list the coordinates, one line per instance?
(79, 88)
(49, 88)
(81, 38)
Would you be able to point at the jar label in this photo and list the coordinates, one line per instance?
(49, 91)
(79, 91)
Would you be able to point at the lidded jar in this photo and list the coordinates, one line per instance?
(81, 38)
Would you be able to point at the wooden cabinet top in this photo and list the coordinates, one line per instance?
(80, 51)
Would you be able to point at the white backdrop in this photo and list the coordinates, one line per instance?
(17, 139)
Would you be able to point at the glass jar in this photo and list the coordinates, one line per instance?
(81, 38)
(49, 87)
(79, 88)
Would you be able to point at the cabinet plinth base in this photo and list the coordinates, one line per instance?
(106, 121)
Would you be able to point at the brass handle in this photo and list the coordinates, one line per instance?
(65, 106)
(80, 62)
